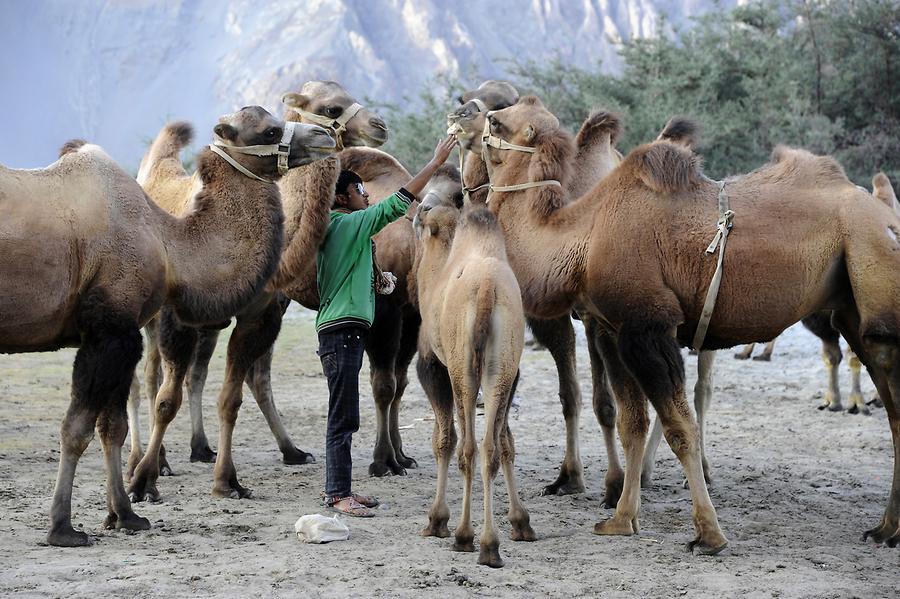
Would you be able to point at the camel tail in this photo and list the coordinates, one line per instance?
(168, 144)
(71, 146)
(884, 191)
(481, 327)
(598, 124)
(681, 130)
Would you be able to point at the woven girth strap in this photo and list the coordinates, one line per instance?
(723, 227)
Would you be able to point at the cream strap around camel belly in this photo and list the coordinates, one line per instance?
(723, 228)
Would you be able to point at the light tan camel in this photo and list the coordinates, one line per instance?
(471, 337)
(307, 196)
(595, 158)
(131, 258)
(391, 343)
(646, 290)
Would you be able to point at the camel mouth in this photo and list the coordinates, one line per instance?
(374, 140)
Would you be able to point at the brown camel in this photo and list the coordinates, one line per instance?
(133, 258)
(595, 158)
(631, 251)
(307, 195)
(391, 344)
(471, 337)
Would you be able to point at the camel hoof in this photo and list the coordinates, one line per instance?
(141, 490)
(490, 556)
(565, 484)
(407, 462)
(836, 408)
(741, 356)
(883, 534)
(66, 536)
(614, 492)
(202, 453)
(762, 358)
(701, 547)
(463, 545)
(875, 403)
(129, 521)
(439, 530)
(297, 457)
(615, 526)
(232, 492)
(380, 469)
(523, 533)
(165, 470)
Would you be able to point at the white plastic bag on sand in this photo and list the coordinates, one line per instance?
(316, 528)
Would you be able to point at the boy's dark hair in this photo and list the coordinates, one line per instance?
(345, 180)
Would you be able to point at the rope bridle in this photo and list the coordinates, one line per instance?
(337, 125)
(282, 149)
(490, 140)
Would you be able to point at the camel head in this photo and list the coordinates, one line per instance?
(436, 224)
(526, 124)
(267, 146)
(467, 121)
(328, 104)
(443, 190)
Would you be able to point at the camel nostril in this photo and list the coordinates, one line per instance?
(378, 124)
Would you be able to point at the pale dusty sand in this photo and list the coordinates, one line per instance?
(794, 489)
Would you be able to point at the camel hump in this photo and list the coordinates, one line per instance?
(681, 130)
(809, 165)
(168, 144)
(665, 167)
(598, 124)
(71, 146)
(883, 190)
(478, 217)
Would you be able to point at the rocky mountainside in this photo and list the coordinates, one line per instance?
(113, 71)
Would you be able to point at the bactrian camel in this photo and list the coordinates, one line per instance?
(307, 196)
(631, 252)
(471, 338)
(596, 156)
(258, 318)
(132, 258)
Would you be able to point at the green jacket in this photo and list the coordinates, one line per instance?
(345, 279)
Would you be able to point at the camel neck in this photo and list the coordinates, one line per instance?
(225, 247)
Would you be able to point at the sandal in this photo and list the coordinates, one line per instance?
(349, 507)
(366, 500)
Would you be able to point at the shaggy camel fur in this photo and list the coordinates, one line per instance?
(649, 292)
(596, 157)
(307, 195)
(132, 257)
(472, 337)
(259, 316)
(391, 344)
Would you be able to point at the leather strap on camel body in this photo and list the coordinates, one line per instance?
(723, 228)
(281, 149)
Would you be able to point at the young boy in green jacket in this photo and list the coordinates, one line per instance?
(346, 284)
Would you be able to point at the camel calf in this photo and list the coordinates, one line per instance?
(472, 335)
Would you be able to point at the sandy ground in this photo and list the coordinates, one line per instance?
(794, 489)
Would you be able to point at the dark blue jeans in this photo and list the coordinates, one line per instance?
(341, 353)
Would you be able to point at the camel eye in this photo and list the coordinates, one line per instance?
(271, 132)
(334, 111)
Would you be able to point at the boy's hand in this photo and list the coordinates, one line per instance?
(443, 149)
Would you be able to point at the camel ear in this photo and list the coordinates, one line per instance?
(294, 100)
(226, 131)
(529, 133)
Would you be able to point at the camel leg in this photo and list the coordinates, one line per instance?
(101, 377)
(409, 336)
(831, 355)
(745, 353)
(196, 380)
(251, 338)
(153, 375)
(632, 423)
(518, 516)
(464, 398)
(857, 402)
(436, 382)
(176, 346)
(382, 345)
(766, 355)
(259, 379)
(649, 463)
(489, 543)
(605, 411)
(558, 336)
(134, 426)
(652, 356)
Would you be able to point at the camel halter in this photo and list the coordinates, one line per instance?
(338, 125)
(281, 149)
(723, 228)
(490, 140)
(453, 128)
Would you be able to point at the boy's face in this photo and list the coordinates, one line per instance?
(356, 198)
